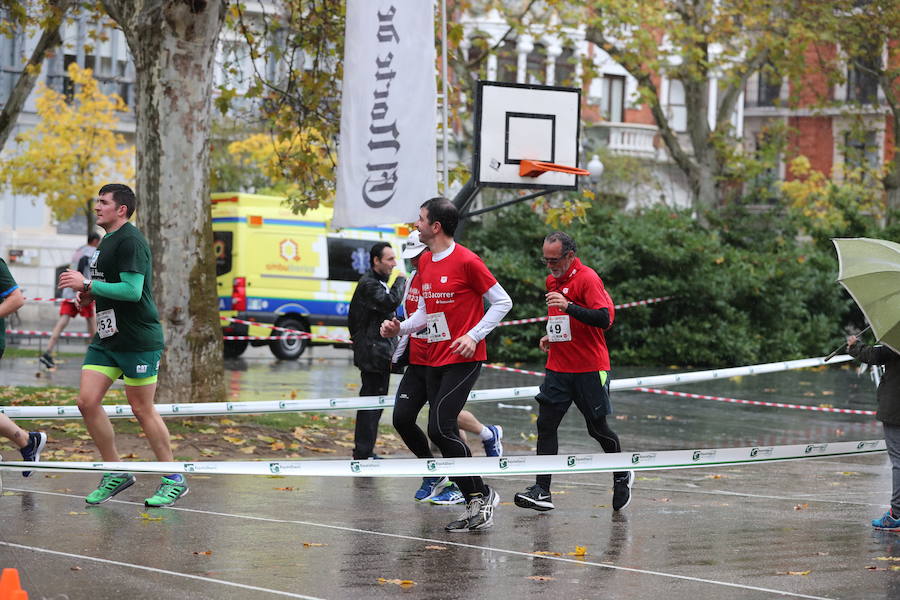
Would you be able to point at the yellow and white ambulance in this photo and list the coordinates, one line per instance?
(286, 269)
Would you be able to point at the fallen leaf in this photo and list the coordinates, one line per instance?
(874, 568)
(130, 455)
(312, 544)
(72, 512)
(642, 478)
(208, 430)
(293, 394)
(799, 572)
(662, 499)
(227, 422)
(276, 446)
(146, 517)
(579, 551)
(893, 558)
(435, 547)
(234, 440)
(322, 450)
(51, 476)
(541, 578)
(74, 568)
(715, 476)
(801, 506)
(204, 553)
(247, 449)
(546, 553)
(285, 489)
(401, 582)
(266, 438)
(849, 473)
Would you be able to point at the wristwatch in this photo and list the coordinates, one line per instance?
(87, 285)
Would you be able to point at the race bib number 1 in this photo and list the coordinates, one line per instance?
(438, 331)
(106, 323)
(558, 328)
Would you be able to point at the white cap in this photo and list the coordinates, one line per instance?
(413, 246)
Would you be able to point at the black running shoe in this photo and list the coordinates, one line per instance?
(479, 513)
(47, 360)
(534, 497)
(32, 450)
(622, 482)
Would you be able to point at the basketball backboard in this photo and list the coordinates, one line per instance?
(515, 122)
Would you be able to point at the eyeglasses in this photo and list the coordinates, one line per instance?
(554, 261)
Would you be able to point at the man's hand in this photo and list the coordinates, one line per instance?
(852, 339)
(83, 299)
(71, 279)
(545, 343)
(390, 328)
(464, 346)
(557, 300)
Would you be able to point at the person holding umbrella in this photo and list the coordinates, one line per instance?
(888, 413)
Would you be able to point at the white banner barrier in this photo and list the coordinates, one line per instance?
(485, 466)
(376, 402)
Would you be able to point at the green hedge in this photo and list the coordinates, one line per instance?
(746, 290)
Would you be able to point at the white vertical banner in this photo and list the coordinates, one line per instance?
(387, 158)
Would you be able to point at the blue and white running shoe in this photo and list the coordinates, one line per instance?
(449, 495)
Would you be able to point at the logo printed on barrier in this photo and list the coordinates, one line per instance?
(354, 466)
(62, 411)
(229, 406)
(97, 465)
(174, 408)
(815, 447)
(274, 467)
(504, 463)
(332, 402)
(282, 404)
(570, 461)
(647, 457)
(703, 454)
(430, 465)
(189, 467)
(754, 452)
(382, 400)
(862, 445)
(120, 410)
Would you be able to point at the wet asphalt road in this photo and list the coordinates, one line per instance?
(784, 530)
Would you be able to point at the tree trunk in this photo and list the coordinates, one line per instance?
(49, 40)
(174, 43)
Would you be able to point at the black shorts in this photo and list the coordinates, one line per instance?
(592, 389)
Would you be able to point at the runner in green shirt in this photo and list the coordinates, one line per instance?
(128, 342)
(30, 443)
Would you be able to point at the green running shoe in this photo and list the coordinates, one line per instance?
(171, 489)
(110, 485)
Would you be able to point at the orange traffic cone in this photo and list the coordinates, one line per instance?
(10, 589)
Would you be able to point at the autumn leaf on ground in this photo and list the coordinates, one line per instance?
(231, 430)
(579, 551)
(404, 583)
(130, 455)
(227, 422)
(209, 452)
(247, 449)
(77, 513)
(433, 547)
(540, 578)
(849, 473)
(546, 553)
(313, 545)
(234, 440)
(208, 430)
(642, 478)
(322, 450)
(285, 489)
(874, 568)
(801, 506)
(205, 553)
(276, 446)
(293, 394)
(74, 568)
(796, 573)
(146, 517)
(715, 476)
(267, 439)
(893, 558)
(661, 499)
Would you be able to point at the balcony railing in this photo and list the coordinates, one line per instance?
(631, 139)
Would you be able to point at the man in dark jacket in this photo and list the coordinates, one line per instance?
(888, 413)
(373, 302)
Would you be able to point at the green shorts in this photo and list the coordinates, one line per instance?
(136, 368)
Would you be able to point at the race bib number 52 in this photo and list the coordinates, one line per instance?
(558, 328)
(106, 323)
(438, 331)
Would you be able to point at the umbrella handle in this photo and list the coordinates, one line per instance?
(844, 345)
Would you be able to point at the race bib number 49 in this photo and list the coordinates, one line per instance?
(106, 323)
(438, 331)
(558, 328)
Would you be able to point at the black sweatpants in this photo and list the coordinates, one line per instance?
(412, 395)
(448, 389)
(373, 384)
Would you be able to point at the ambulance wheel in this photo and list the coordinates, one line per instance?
(289, 348)
(234, 348)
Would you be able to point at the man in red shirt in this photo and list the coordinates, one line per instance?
(579, 310)
(453, 287)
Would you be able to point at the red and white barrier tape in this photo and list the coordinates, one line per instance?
(617, 306)
(48, 333)
(846, 411)
(45, 299)
(512, 370)
(292, 332)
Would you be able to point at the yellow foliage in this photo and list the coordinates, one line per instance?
(268, 153)
(73, 150)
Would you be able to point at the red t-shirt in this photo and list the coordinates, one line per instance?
(418, 343)
(453, 288)
(586, 350)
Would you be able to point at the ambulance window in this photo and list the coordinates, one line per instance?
(348, 259)
(222, 248)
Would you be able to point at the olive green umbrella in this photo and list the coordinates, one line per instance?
(870, 270)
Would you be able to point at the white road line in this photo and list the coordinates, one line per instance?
(155, 570)
(527, 555)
